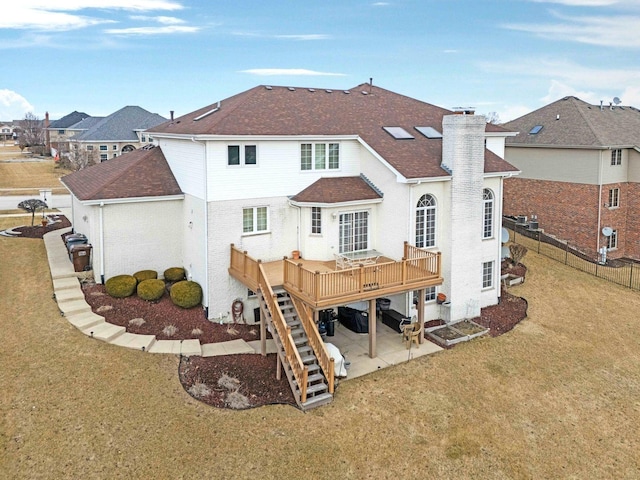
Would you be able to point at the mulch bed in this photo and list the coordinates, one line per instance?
(161, 314)
(37, 231)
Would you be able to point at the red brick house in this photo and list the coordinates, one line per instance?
(580, 175)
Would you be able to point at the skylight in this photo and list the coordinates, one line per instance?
(535, 130)
(429, 132)
(398, 133)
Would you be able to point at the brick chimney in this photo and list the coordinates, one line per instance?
(463, 156)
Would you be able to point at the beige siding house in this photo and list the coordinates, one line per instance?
(580, 166)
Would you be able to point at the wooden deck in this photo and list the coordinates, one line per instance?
(320, 285)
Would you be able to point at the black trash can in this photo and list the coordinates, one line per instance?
(326, 317)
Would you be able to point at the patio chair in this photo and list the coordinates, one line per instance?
(411, 333)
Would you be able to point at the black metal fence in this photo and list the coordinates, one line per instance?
(617, 271)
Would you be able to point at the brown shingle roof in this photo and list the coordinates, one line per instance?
(337, 190)
(141, 173)
(571, 122)
(302, 111)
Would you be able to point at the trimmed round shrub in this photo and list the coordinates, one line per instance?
(151, 289)
(145, 275)
(186, 294)
(174, 274)
(121, 286)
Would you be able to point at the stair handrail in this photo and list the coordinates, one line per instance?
(326, 362)
(299, 369)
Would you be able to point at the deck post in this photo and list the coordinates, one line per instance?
(278, 367)
(420, 307)
(372, 328)
(263, 334)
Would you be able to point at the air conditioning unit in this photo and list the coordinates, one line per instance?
(533, 225)
(521, 220)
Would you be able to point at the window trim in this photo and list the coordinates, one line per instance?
(104, 148)
(316, 221)
(612, 240)
(487, 221)
(255, 222)
(104, 157)
(330, 160)
(242, 155)
(487, 274)
(616, 157)
(428, 210)
(614, 197)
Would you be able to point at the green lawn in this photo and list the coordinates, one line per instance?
(555, 398)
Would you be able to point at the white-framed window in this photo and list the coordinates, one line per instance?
(612, 240)
(242, 155)
(426, 221)
(255, 220)
(354, 232)
(487, 274)
(143, 138)
(316, 220)
(60, 132)
(430, 294)
(616, 156)
(487, 200)
(114, 147)
(103, 148)
(614, 197)
(89, 148)
(103, 157)
(319, 156)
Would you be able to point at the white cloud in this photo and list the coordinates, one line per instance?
(160, 19)
(608, 31)
(169, 29)
(310, 36)
(631, 96)
(55, 16)
(559, 90)
(581, 3)
(511, 112)
(13, 106)
(289, 71)
(380, 4)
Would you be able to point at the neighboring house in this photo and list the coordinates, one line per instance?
(59, 133)
(7, 130)
(580, 175)
(326, 173)
(122, 131)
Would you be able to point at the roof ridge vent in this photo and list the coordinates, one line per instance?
(371, 184)
(207, 113)
(291, 89)
(346, 92)
(328, 90)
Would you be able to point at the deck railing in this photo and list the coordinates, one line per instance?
(326, 362)
(244, 268)
(299, 369)
(419, 269)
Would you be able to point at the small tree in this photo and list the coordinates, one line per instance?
(32, 132)
(77, 158)
(517, 252)
(32, 205)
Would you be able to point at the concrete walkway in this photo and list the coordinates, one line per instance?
(72, 305)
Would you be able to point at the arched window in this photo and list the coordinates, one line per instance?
(426, 221)
(487, 200)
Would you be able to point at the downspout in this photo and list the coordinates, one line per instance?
(205, 295)
(101, 243)
(599, 204)
(409, 298)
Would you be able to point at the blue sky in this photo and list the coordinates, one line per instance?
(504, 56)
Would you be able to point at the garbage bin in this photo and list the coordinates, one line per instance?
(76, 239)
(327, 318)
(81, 257)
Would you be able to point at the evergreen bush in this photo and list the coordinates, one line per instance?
(151, 289)
(121, 286)
(145, 275)
(174, 274)
(186, 294)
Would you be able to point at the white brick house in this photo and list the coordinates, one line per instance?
(277, 169)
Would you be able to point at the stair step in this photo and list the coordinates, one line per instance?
(104, 331)
(305, 349)
(308, 359)
(314, 367)
(317, 388)
(84, 320)
(299, 341)
(316, 377)
(317, 401)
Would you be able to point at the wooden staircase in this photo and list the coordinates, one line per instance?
(317, 390)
